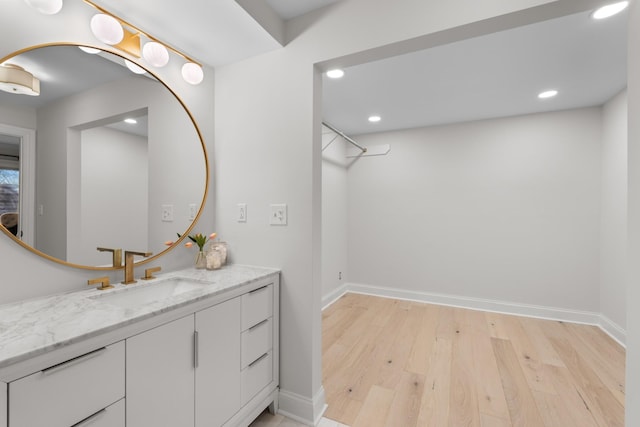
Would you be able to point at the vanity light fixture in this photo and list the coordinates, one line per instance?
(192, 73)
(47, 7)
(134, 68)
(15, 79)
(115, 31)
(107, 29)
(130, 121)
(547, 94)
(89, 50)
(374, 119)
(155, 54)
(336, 73)
(610, 10)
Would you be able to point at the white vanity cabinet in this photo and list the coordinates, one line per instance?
(67, 393)
(160, 382)
(209, 361)
(223, 352)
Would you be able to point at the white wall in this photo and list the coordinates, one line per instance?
(112, 161)
(504, 209)
(23, 117)
(613, 272)
(334, 213)
(632, 387)
(24, 274)
(268, 146)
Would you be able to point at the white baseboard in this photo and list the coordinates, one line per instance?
(334, 296)
(518, 309)
(614, 330)
(302, 409)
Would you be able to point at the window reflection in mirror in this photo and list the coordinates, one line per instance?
(9, 182)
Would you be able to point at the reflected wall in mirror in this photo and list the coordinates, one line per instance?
(84, 178)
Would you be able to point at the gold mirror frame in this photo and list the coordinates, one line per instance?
(198, 132)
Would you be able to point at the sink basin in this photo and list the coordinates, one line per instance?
(153, 292)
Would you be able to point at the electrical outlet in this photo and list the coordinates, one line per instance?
(242, 212)
(166, 213)
(193, 211)
(278, 214)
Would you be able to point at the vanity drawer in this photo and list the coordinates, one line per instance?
(65, 394)
(257, 306)
(256, 341)
(111, 416)
(256, 376)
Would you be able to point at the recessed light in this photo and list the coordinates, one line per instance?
(131, 121)
(375, 119)
(610, 10)
(335, 73)
(547, 94)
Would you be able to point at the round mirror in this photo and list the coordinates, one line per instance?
(94, 155)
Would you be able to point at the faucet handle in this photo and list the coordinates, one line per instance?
(144, 254)
(148, 273)
(104, 283)
(117, 255)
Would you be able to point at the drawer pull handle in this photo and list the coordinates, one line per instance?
(74, 361)
(258, 324)
(90, 418)
(259, 289)
(258, 359)
(196, 348)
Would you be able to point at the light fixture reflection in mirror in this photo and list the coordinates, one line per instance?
(97, 182)
(47, 7)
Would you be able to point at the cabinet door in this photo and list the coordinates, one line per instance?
(160, 376)
(218, 371)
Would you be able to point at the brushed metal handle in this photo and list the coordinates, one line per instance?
(91, 418)
(258, 359)
(258, 324)
(259, 289)
(74, 361)
(196, 348)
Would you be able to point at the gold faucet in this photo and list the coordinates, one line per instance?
(117, 256)
(104, 283)
(148, 273)
(128, 265)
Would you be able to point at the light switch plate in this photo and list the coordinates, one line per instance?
(166, 213)
(278, 214)
(193, 211)
(242, 212)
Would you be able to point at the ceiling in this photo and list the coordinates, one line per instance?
(491, 76)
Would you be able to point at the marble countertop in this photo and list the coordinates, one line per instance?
(33, 327)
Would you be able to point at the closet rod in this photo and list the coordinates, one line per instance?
(364, 149)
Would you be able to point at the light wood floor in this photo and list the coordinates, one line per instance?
(403, 364)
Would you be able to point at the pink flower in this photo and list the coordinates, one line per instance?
(212, 236)
(168, 243)
(188, 244)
